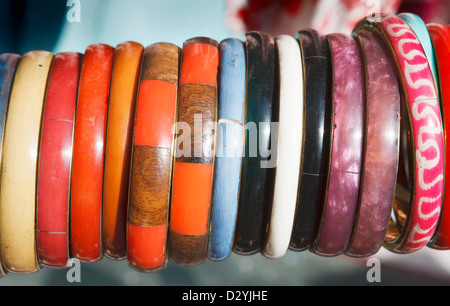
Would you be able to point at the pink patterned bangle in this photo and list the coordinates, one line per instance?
(416, 209)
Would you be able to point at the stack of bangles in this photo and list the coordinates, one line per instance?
(333, 143)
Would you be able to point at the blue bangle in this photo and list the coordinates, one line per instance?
(230, 148)
(420, 29)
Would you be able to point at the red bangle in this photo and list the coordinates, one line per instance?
(417, 213)
(119, 133)
(151, 169)
(347, 147)
(193, 168)
(88, 154)
(380, 159)
(440, 37)
(55, 160)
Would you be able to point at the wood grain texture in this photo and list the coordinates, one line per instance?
(151, 170)
(197, 108)
(119, 136)
(18, 179)
(150, 182)
(257, 182)
(192, 177)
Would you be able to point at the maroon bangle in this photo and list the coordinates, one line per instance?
(345, 167)
(381, 148)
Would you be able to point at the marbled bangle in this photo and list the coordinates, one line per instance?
(230, 148)
(317, 138)
(258, 169)
(381, 146)
(348, 97)
(417, 213)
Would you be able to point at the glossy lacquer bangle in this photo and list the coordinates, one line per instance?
(348, 94)
(289, 146)
(417, 214)
(55, 160)
(88, 153)
(230, 148)
(8, 65)
(152, 158)
(119, 133)
(258, 165)
(317, 138)
(381, 146)
(20, 150)
(194, 155)
(440, 37)
(420, 29)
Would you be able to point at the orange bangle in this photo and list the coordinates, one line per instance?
(193, 167)
(88, 153)
(151, 161)
(119, 133)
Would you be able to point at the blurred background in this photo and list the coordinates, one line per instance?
(56, 26)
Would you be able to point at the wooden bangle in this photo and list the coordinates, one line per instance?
(55, 160)
(20, 151)
(348, 96)
(317, 139)
(258, 169)
(194, 156)
(440, 37)
(88, 154)
(381, 153)
(420, 29)
(289, 146)
(230, 147)
(151, 169)
(119, 134)
(8, 65)
(418, 212)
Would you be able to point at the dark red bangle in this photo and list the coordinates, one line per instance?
(380, 159)
(348, 92)
(55, 160)
(440, 37)
(88, 153)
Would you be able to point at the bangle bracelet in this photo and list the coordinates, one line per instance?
(88, 153)
(420, 210)
(55, 160)
(20, 150)
(380, 159)
(317, 138)
(193, 167)
(8, 65)
(119, 133)
(289, 144)
(230, 147)
(440, 36)
(256, 189)
(420, 29)
(151, 163)
(348, 96)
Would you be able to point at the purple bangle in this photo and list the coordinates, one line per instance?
(381, 147)
(347, 147)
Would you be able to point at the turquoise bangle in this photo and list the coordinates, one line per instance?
(420, 29)
(230, 146)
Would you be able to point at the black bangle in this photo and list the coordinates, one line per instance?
(258, 167)
(317, 138)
